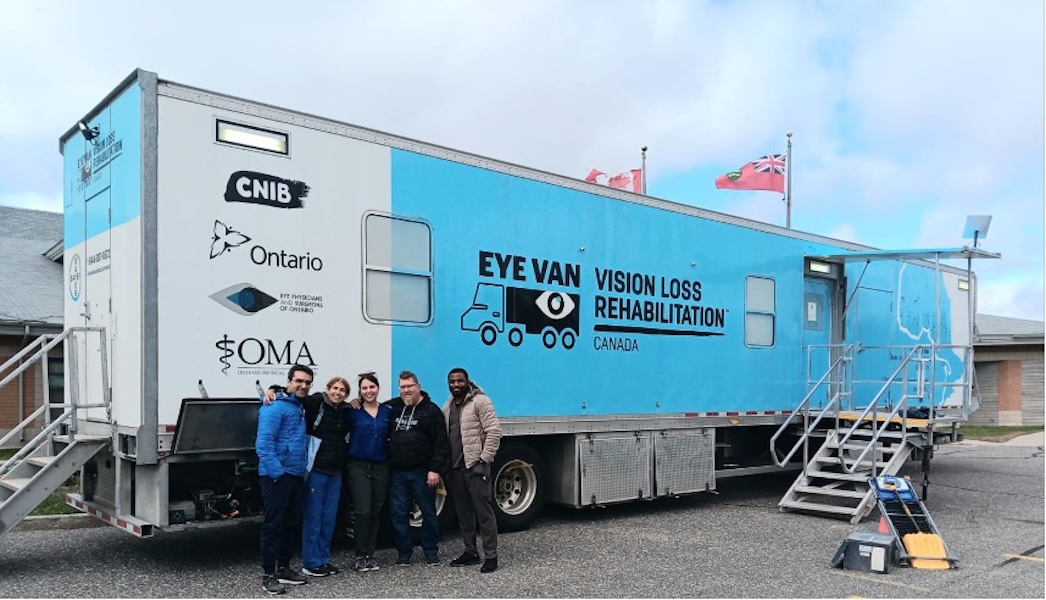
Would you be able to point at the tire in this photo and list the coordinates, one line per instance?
(488, 334)
(515, 336)
(548, 338)
(568, 338)
(518, 483)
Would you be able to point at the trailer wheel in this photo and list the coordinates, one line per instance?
(488, 334)
(567, 338)
(515, 336)
(518, 482)
(548, 337)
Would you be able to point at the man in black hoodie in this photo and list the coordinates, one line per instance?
(418, 451)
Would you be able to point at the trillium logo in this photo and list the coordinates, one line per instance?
(225, 238)
(243, 299)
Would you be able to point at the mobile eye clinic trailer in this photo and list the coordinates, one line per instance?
(635, 348)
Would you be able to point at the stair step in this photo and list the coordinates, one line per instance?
(812, 489)
(840, 476)
(834, 460)
(15, 484)
(41, 461)
(816, 507)
(64, 439)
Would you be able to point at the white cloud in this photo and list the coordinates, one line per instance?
(899, 107)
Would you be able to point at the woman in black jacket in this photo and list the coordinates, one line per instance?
(325, 427)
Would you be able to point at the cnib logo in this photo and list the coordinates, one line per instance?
(243, 299)
(266, 190)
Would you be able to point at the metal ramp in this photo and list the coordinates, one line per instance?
(847, 437)
(39, 467)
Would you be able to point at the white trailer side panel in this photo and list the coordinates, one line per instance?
(249, 282)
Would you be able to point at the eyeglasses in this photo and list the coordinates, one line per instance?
(307, 382)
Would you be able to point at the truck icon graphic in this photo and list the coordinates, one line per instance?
(552, 314)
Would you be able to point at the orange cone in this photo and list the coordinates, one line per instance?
(883, 526)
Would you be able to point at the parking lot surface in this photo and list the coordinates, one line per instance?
(986, 499)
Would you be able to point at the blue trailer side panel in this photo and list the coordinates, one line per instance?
(661, 298)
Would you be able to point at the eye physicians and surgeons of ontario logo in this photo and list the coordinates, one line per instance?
(75, 277)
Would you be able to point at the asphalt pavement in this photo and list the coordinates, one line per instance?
(986, 499)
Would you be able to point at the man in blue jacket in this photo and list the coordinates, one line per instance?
(282, 457)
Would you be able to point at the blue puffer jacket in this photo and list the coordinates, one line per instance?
(280, 444)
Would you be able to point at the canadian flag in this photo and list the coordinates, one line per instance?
(632, 179)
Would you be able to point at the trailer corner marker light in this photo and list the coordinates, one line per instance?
(734, 420)
(820, 267)
(964, 284)
(252, 137)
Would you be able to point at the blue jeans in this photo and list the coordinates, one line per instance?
(322, 491)
(405, 486)
(282, 503)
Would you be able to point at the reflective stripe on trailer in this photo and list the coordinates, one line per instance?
(133, 526)
(735, 413)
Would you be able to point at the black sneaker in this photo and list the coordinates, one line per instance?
(403, 560)
(271, 585)
(372, 564)
(361, 563)
(320, 571)
(489, 566)
(466, 559)
(289, 577)
(332, 569)
(432, 561)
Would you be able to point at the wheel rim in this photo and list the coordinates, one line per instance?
(515, 487)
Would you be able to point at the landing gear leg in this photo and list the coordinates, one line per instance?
(927, 455)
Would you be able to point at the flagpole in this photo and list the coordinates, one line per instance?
(788, 184)
(643, 150)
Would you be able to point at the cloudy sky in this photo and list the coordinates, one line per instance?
(908, 115)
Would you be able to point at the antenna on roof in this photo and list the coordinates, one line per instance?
(977, 227)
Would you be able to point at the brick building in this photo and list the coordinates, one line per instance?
(31, 304)
(1008, 370)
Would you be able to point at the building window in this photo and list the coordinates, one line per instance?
(397, 269)
(760, 311)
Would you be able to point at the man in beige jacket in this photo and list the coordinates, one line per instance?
(475, 435)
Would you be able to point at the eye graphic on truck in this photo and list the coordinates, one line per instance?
(497, 308)
(243, 299)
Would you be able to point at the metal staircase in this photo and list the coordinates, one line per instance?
(39, 467)
(847, 437)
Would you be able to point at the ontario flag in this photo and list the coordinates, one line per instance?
(625, 180)
(764, 173)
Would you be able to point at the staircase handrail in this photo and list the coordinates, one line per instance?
(31, 445)
(18, 428)
(71, 408)
(873, 408)
(803, 407)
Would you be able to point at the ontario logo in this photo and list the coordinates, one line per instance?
(243, 299)
(225, 238)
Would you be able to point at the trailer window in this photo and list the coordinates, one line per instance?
(248, 136)
(760, 311)
(397, 264)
